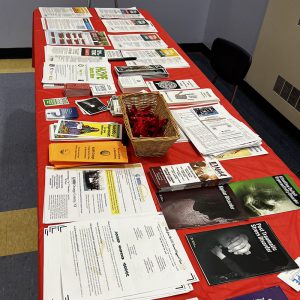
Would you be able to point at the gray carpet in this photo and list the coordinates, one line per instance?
(18, 273)
(17, 140)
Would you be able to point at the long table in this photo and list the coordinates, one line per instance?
(285, 225)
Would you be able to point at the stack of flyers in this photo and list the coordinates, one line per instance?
(114, 107)
(151, 71)
(91, 106)
(67, 130)
(61, 113)
(115, 54)
(76, 89)
(169, 85)
(103, 89)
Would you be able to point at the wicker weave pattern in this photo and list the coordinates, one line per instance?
(150, 146)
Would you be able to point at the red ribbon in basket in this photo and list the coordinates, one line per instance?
(145, 124)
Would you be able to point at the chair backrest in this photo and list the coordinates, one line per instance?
(230, 61)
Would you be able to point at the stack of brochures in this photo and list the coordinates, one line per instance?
(170, 85)
(131, 84)
(119, 13)
(62, 155)
(130, 25)
(213, 130)
(152, 71)
(69, 130)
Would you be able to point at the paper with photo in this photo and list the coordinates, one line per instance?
(89, 193)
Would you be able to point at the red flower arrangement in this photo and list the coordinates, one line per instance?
(144, 123)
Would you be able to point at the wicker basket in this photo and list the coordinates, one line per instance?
(150, 146)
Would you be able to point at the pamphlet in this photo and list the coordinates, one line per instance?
(61, 113)
(130, 25)
(96, 192)
(137, 41)
(91, 106)
(80, 24)
(119, 13)
(168, 85)
(260, 253)
(64, 12)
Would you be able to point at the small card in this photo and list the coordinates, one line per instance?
(56, 101)
(61, 113)
(91, 106)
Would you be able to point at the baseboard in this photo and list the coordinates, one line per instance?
(12, 53)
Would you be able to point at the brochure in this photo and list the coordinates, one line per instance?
(259, 252)
(91, 106)
(69, 38)
(119, 13)
(64, 12)
(168, 85)
(80, 24)
(56, 101)
(130, 25)
(137, 41)
(61, 113)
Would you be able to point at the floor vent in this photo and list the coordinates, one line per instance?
(287, 92)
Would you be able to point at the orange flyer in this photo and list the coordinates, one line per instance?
(90, 152)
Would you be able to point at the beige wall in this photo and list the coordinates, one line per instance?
(278, 53)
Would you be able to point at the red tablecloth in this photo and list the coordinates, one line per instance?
(285, 225)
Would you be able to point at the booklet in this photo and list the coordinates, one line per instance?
(168, 85)
(80, 24)
(69, 38)
(189, 175)
(132, 25)
(91, 106)
(274, 292)
(259, 252)
(96, 192)
(61, 113)
(64, 12)
(137, 41)
(119, 13)
(230, 202)
(132, 258)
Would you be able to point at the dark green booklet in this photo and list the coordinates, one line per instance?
(230, 202)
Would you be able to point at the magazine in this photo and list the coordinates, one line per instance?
(76, 38)
(130, 25)
(239, 252)
(119, 13)
(137, 41)
(230, 202)
(64, 12)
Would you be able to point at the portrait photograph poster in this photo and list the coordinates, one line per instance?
(239, 252)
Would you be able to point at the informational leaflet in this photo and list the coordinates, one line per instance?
(89, 193)
(137, 41)
(292, 277)
(167, 85)
(132, 25)
(67, 24)
(86, 38)
(213, 130)
(74, 54)
(64, 12)
(127, 258)
(62, 73)
(169, 58)
(119, 13)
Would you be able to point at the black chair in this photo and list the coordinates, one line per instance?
(230, 62)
